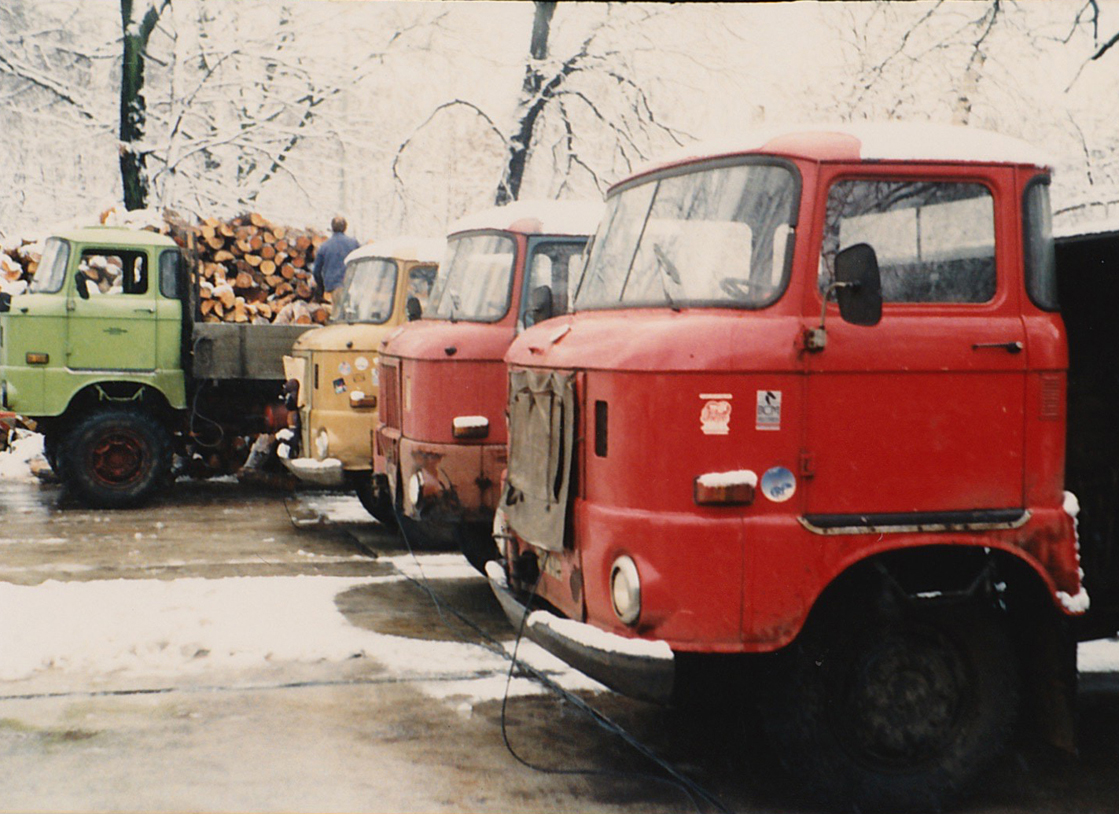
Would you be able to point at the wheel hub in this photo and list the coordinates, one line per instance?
(118, 458)
(904, 699)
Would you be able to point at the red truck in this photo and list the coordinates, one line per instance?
(440, 438)
(803, 438)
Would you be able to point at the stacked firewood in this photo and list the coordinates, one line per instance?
(18, 261)
(250, 270)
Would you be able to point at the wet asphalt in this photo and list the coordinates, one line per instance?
(353, 735)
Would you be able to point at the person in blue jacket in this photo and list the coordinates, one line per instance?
(330, 259)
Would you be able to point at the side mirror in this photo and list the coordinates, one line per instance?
(81, 282)
(859, 289)
(539, 305)
(412, 308)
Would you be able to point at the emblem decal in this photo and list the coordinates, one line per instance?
(714, 418)
(779, 484)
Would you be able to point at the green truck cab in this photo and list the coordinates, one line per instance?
(104, 354)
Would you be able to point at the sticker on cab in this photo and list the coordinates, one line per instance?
(779, 484)
(361, 363)
(339, 385)
(769, 410)
(714, 417)
(345, 369)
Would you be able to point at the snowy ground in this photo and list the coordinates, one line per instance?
(227, 649)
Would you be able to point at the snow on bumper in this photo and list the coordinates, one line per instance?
(320, 473)
(638, 668)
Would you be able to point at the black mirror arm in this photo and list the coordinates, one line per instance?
(816, 339)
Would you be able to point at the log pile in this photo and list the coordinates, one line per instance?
(249, 269)
(18, 262)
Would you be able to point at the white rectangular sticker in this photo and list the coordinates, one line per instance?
(769, 410)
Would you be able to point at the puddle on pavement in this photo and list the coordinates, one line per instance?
(403, 608)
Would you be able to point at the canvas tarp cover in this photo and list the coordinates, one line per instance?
(541, 442)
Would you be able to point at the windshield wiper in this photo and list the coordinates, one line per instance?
(668, 269)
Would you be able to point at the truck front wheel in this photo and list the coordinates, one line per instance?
(896, 713)
(116, 458)
(373, 492)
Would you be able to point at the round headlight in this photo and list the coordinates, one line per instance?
(416, 488)
(625, 590)
(322, 444)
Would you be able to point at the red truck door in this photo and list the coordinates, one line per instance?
(919, 419)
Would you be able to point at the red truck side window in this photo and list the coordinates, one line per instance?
(935, 241)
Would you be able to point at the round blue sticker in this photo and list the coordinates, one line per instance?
(779, 484)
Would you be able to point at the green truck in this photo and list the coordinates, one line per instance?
(105, 352)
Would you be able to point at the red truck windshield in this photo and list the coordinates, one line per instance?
(475, 279)
(708, 237)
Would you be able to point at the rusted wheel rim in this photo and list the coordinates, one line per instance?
(118, 458)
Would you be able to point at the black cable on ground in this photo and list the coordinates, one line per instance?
(695, 792)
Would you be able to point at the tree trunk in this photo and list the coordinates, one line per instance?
(133, 108)
(534, 99)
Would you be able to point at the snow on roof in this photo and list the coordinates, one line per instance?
(116, 235)
(552, 218)
(422, 249)
(883, 141)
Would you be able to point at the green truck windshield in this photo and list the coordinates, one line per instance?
(51, 273)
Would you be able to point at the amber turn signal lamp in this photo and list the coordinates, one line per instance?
(38, 358)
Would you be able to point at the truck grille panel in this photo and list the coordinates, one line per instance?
(390, 395)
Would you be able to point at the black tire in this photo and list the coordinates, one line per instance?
(116, 458)
(475, 541)
(373, 492)
(895, 714)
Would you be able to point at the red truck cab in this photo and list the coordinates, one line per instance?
(441, 426)
(805, 431)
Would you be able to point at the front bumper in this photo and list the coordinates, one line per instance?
(321, 473)
(637, 668)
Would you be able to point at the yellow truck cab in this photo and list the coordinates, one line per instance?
(332, 383)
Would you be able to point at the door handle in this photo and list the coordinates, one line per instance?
(143, 310)
(1009, 347)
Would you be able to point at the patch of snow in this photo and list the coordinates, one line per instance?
(1075, 604)
(432, 566)
(335, 507)
(467, 422)
(1071, 505)
(15, 462)
(552, 217)
(113, 629)
(423, 249)
(1100, 656)
(739, 477)
(881, 141)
